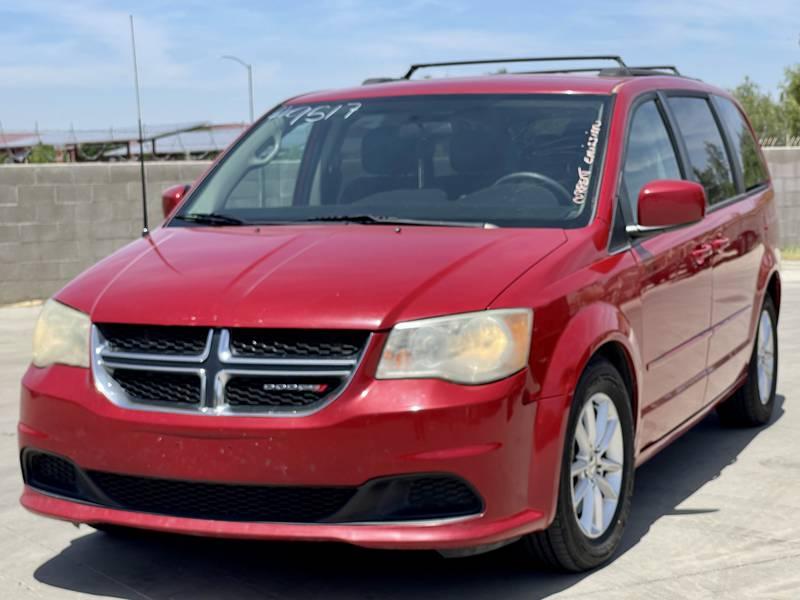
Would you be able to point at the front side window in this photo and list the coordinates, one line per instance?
(711, 165)
(650, 154)
(745, 147)
(510, 161)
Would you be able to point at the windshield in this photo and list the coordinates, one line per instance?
(506, 161)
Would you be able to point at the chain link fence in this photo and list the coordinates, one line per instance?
(785, 141)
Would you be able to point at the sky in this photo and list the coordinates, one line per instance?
(68, 63)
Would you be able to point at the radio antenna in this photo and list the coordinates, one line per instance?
(145, 229)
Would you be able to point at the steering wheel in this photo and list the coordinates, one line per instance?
(561, 193)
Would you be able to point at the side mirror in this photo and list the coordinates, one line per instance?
(171, 197)
(667, 203)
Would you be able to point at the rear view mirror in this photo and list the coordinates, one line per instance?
(171, 198)
(667, 203)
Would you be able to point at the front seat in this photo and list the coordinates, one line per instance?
(389, 157)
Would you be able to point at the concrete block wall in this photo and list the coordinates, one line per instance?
(58, 219)
(784, 166)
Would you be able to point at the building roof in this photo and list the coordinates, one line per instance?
(201, 141)
(66, 139)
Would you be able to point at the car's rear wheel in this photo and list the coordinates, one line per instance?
(753, 403)
(596, 480)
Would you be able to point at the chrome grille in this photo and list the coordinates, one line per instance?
(259, 391)
(139, 339)
(160, 386)
(255, 343)
(165, 369)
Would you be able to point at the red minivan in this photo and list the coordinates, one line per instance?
(445, 313)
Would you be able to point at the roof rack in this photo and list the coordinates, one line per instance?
(374, 80)
(621, 70)
(640, 72)
(672, 68)
(460, 63)
(559, 71)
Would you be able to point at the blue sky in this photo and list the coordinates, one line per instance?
(68, 62)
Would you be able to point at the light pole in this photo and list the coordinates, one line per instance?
(249, 80)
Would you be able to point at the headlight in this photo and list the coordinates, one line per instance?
(470, 348)
(61, 336)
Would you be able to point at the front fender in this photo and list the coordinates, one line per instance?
(590, 328)
(585, 333)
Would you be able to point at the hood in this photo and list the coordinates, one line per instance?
(316, 276)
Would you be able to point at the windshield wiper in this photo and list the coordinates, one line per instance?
(366, 219)
(214, 219)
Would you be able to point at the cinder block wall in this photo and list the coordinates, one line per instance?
(58, 219)
(784, 166)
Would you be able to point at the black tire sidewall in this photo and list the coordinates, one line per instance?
(600, 376)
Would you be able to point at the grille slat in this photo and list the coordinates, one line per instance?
(267, 344)
(272, 392)
(436, 494)
(157, 386)
(53, 473)
(222, 501)
(146, 339)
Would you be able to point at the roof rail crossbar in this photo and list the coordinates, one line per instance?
(559, 71)
(672, 68)
(494, 61)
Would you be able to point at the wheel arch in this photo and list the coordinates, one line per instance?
(619, 357)
(598, 330)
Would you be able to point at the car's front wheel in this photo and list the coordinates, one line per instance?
(596, 481)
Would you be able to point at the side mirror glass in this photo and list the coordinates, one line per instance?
(171, 198)
(668, 203)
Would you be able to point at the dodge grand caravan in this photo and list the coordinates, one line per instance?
(446, 313)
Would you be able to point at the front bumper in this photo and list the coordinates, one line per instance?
(485, 435)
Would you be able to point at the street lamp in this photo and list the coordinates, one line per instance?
(249, 80)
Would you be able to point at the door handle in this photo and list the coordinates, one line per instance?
(702, 253)
(721, 243)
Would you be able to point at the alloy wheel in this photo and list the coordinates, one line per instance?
(597, 465)
(765, 357)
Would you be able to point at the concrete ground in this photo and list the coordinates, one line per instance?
(716, 515)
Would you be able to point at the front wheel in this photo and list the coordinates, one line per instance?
(596, 480)
(753, 403)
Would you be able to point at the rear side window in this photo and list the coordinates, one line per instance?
(711, 165)
(650, 154)
(745, 147)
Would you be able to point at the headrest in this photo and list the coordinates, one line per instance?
(475, 148)
(390, 150)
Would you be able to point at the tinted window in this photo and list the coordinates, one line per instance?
(650, 154)
(745, 148)
(511, 160)
(710, 163)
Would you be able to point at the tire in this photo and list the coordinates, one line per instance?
(567, 545)
(752, 404)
